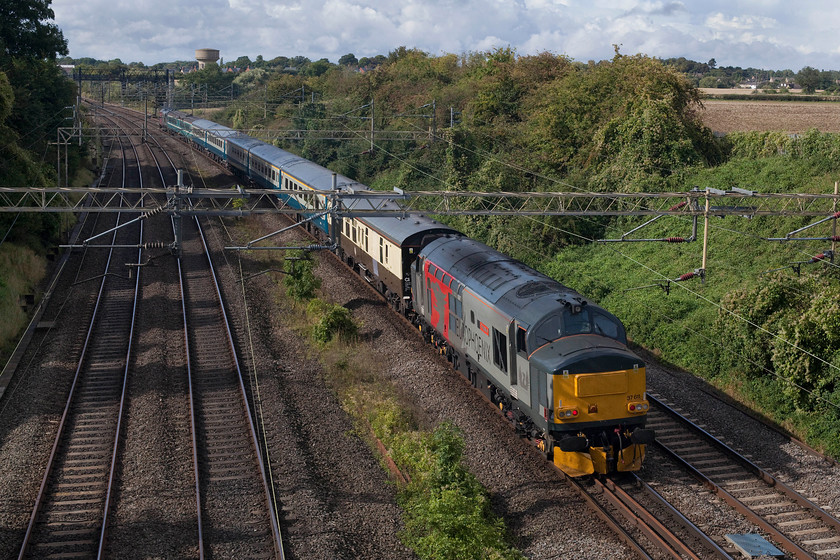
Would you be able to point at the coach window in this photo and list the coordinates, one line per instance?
(367, 247)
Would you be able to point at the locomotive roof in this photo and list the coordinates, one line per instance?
(512, 286)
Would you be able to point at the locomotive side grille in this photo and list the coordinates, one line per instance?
(596, 384)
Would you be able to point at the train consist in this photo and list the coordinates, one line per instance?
(555, 363)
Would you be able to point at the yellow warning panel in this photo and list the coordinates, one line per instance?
(598, 384)
(573, 463)
(599, 459)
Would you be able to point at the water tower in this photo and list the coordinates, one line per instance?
(205, 56)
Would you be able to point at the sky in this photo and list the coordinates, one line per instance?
(767, 34)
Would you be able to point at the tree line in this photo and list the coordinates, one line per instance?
(710, 75)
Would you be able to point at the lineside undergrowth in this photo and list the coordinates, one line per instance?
(446, 510)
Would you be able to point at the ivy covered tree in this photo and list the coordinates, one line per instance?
(33, 96)
(623, 123)
(809, 79)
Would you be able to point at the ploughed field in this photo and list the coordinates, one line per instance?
(730, 115)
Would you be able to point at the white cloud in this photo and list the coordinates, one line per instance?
(759, 33)
(722, 22)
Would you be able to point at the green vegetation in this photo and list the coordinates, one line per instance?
(300, 280)
(20, 271)
(532, 123)
(446, 510)
(34, 95)
(333, 321)
(710, 75)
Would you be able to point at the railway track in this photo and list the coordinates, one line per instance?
(654, 528)
(235, 511)
(796, 524)
(236, 517)
(70, 515)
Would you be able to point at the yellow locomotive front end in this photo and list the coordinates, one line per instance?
(598, 416)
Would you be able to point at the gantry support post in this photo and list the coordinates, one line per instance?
(176, 218)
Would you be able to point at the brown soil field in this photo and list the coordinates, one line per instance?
(727, 115)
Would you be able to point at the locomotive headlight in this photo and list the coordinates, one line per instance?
(566, 413)
(638, 407)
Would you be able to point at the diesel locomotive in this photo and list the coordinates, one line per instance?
(556, 364)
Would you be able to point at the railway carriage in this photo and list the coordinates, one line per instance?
(555, 363)
(212, 137)
(382, 250)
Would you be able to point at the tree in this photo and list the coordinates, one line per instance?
(211, 75)
(242, 62)
(24, 31)
(809, 79)
(317, 68)
(348, 59)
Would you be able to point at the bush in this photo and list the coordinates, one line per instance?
(447, 511)
(334, 320)
(300, 280)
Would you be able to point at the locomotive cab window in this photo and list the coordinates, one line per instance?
(576, 323)
(550, 329)
(521, 345)
(608, 326)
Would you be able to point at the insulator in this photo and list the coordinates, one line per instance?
(686, 276)
(677, 206)
(836, 215)
(675, 239)
(817, 258)
(835, 238)
(154, 245)
(157, 210)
